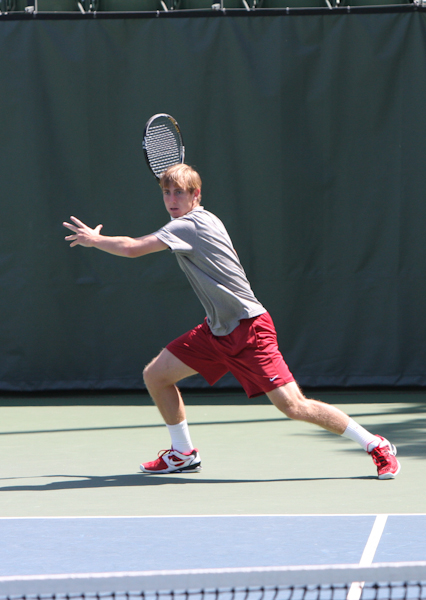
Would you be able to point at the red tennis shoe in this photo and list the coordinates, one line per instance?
(172, 461)
(384, 458)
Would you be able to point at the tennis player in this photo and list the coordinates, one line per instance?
(238, 334)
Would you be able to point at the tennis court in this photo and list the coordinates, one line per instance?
(80, 455)
(272, 492)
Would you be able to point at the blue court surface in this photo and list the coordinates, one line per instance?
(43, 546)
(272, 492)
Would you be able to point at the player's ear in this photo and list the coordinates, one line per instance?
(197, 194)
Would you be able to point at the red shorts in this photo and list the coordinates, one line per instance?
(250, 353)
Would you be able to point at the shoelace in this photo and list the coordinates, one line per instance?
(161, 453)
(175, 459)
(380, 456)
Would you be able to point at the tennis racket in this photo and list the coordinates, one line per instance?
(162, 143)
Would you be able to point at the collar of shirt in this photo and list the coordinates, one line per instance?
(188, 213)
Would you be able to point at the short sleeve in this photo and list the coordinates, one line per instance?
(179, 235)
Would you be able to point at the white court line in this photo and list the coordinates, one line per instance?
(367, 557)
(409, 515)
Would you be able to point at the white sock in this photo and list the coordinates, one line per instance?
(181, 440)
(358, 434)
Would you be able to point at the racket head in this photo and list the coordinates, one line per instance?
(162, 143)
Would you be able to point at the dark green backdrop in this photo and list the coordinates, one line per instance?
(309, 134)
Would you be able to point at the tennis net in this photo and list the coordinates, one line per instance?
(390, 581)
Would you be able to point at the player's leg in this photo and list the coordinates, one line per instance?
(290, 400)
(260, 368)
(187, 355)
(161, 376)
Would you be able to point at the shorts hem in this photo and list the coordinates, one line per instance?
(176, 353)
(275, 387)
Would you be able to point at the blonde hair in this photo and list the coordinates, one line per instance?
(182, 175)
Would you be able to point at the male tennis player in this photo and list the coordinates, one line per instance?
(238, 334)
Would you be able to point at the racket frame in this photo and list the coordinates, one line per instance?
(179, 135)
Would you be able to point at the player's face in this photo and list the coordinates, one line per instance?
(179, 202)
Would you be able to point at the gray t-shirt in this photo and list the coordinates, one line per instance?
(205, 253)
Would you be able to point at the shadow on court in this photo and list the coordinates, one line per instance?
(408, 433)
(150, 480)
(149, 426)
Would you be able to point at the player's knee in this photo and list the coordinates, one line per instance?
(293, 410)
(290, 401)
(155, 376)
(150, 375)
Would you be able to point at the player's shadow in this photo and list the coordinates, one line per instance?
(139, 479)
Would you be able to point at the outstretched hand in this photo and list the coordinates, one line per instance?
(83, 235)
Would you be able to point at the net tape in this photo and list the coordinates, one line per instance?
(390, 581)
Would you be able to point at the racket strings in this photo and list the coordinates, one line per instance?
(163, 147)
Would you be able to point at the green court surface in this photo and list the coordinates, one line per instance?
(79, 456)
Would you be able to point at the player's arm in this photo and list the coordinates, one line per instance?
(119, 245)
